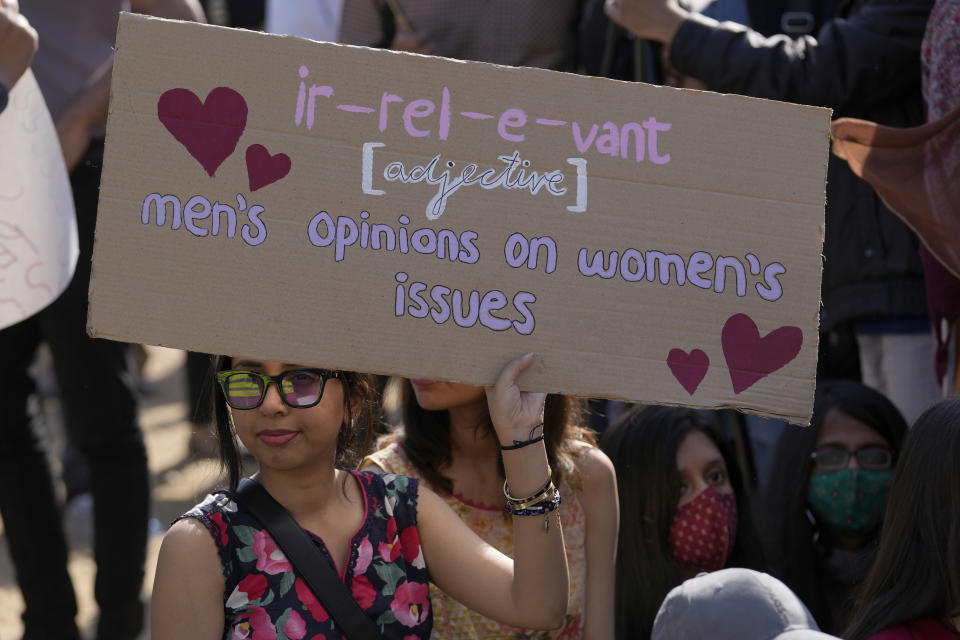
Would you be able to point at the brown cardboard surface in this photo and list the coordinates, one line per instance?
(717, 179)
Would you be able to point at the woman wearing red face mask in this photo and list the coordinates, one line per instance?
(682, 509)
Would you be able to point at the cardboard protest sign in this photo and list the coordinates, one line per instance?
(362, 209)
(38, 227)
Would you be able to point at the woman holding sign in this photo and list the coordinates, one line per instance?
(225, 573)
(449, 439)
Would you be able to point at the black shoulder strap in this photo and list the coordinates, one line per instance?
(308, 562)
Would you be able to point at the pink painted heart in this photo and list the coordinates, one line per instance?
(688, 369)
(750, 357)
(210, 129)
(263, 168)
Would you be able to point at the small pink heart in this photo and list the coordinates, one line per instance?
(750, 357)
(264, 169)
(688, 369)
(209, 130)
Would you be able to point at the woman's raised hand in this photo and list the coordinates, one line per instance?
(514, 413)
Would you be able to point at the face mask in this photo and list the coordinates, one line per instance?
(849, 501)
(703, 531)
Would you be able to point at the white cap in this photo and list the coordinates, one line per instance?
(734, 604)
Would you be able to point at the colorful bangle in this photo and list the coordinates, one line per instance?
(541, 508)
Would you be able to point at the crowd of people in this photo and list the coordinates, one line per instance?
(471, 512)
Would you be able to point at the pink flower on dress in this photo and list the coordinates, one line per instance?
(269, 557)
(310, 601)
(241, 631)
(363, 592)
(254, 623)
(217, 517)
(410, 544)
(411, 603)
(390, 549)
(294, 627)
(364, 556)
(249, 589)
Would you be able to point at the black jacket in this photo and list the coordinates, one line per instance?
(864, 63)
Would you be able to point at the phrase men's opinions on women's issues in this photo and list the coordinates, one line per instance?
(211, 129)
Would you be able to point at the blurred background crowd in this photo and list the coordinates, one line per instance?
(858, 514)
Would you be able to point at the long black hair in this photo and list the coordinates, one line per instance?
(643, 446)
(353, 440)
(794, 543)
(917, 570)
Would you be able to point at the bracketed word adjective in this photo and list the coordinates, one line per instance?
(516, 175)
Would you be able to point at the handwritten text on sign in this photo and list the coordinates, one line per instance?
(423, 217)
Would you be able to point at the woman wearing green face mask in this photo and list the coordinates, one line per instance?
(826, 497)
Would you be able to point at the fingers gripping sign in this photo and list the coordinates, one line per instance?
(515, 413)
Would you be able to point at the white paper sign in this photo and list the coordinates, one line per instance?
(38, 227)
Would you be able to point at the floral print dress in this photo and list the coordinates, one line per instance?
(265, 600)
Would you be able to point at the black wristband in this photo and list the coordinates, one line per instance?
(4, 98)
(517, 444)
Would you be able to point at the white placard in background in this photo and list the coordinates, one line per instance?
(38, 228)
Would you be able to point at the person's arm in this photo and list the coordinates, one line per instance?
(18, 43)
(531, 590)
(870, 56)
(187, 601)
(88, 109)
(602, 513)
(77, 122)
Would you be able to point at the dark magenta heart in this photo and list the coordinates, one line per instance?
(264, 169)
(688, 368)
(750, 357)
(210, 129)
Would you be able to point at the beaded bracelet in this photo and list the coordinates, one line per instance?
(541, 508)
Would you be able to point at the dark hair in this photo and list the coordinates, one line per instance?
(424, 437)
(916, 572)
(643, 447)
(794, 544)
(354, 438)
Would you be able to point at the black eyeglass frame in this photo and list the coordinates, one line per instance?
(847, 454)
(324, 374)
